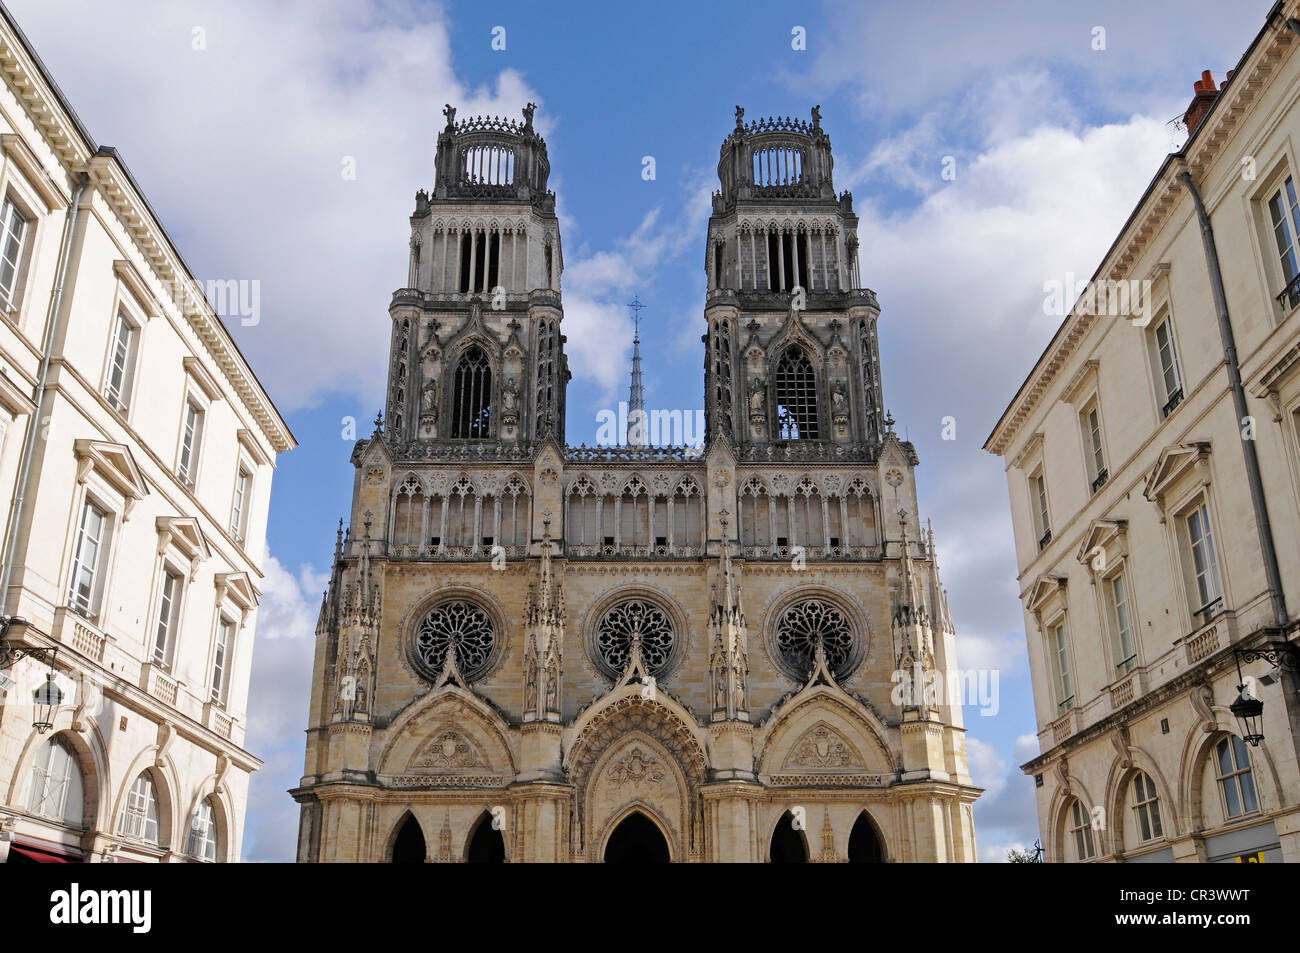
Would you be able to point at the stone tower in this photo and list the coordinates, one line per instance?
(531, 651)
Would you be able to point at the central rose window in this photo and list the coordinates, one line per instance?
(617, 628)
(456, 626)
(802, 626)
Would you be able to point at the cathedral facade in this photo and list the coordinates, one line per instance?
(532, 651)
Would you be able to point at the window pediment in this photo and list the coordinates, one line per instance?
(1083, 384)
(186, 536)
(112, 461)
(1104, 545)
(238, 588)
(1177, 464)
(199, 374)
(139, 288)
(249, 443)
(52, 193)
(1046, 595)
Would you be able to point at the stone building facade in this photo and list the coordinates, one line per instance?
(136, 455)
(1153, 460)
(531, 651)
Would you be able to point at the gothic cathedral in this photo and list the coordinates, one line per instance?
(532, 651)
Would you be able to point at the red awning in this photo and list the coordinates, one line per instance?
(44, 856)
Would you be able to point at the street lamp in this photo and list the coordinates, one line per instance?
(1248, 709)
(48, 696)
(46, 701)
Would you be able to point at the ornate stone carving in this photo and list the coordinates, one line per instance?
(822, 747)
(449, 751)
(636, 769)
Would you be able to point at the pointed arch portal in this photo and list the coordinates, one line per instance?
(408, 846)
(636, 840)
(788, 845)
(864, 842)
(486, 846)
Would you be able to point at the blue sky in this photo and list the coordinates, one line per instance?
(238, 140)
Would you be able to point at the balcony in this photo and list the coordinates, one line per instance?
(1129, 686)
(1219, 632)
(216, 720)
(1174, 400)
(1100, 480)
(155, 680)
(80, 633)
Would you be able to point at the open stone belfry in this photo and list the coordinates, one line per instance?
(531, 651)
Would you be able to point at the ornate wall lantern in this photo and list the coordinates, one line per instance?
(1248, 709)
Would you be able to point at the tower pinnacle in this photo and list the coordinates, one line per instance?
(637, 430)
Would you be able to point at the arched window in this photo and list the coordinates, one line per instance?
(755, 514)
(460, 516)
(139, 817)
(1081, 831)
(634, 515)
(472, 398)
(581, 527)
(408, 515)
(55, 787)
(1146, 805)
(203, 832)
(796, 397)
(515, 528)
(808, 528)
(788, 845)
(688, 514)
(1236, 779)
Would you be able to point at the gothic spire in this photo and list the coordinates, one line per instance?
(637, 435)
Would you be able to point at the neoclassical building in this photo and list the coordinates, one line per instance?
(136, 455)
(531, 651)
(1153, 460)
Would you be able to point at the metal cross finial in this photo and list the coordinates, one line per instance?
(636, 307)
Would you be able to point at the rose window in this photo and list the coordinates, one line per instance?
(805, 624)
(618, 627)
(459, 626)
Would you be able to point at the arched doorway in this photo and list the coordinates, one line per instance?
(788, 845)
(486, 845)
(864, 843)
(636, 840)
(408, 846)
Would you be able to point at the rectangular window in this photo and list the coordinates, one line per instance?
(1042, 525)
(1284, 218)
(1236, 779)
(225, 629)
(168, 604)
(1171, 378)
(91, 538)
(1097, 473)
(1061, 661)
(15, 232)
(117, 388)
(191, 437)
(1205, 565)
(1125, 648)
(239, 506)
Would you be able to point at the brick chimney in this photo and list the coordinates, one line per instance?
(1206, 94)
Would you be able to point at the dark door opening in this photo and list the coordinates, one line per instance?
(864, 843)
(636, 840)
(408, 847)
(788, 845)
(487, 846)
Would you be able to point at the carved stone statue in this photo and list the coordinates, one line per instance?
(429, 398)
(720, 696)
(758, 399)
(839, 403)
(509, 397)
(552, 686)
(528, 115)
(450, 112)
(817, 117)
(530, 684)
(740, 118)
